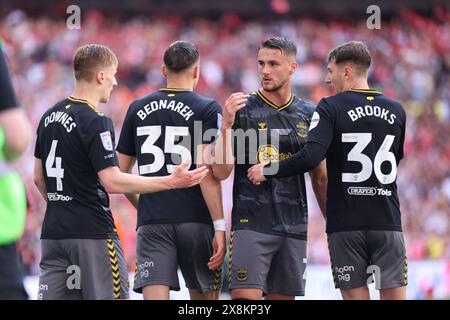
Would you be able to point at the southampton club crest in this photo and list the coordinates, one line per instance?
(302, 129)
(241, 274)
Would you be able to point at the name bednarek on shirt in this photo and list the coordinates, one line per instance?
(58, 197)
(368, 191)
(177, 106)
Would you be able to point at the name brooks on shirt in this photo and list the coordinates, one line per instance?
(367, 111)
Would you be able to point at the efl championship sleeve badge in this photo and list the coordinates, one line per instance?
(106, 140)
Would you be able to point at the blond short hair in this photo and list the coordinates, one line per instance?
(90, 58)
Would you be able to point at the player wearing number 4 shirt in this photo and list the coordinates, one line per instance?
(161, 130)
(361, 133)
(75, 167)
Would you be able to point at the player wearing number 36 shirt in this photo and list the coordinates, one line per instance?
(162, 130)
(361, 134)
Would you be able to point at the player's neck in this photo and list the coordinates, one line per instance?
(180, 83)
(357, 84)
(279, 97)
(84, 93)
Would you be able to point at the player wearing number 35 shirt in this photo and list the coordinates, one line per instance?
(361, 134)
(75, 166)
(162, 130)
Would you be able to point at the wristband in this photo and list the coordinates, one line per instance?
(220, 225)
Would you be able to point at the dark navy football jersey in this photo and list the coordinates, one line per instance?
(7, 95)
(162, 130)
(278, 206)
(74, 142)
(364, 132)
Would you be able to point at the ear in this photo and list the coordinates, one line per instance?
(164, 71)
(196, 71)
(100, 77)
(348, 71)
(292, 68)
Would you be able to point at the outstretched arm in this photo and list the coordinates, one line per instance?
(304, 160)
(126, 163)
(116, 181)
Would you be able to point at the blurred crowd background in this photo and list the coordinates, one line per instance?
(411, 63)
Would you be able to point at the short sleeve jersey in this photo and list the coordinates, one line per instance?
(364, 132)
(75, 142)
(162, 130)
(266, 133)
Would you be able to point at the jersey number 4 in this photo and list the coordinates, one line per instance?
(55, 171)
(362, 141)
(153, 133)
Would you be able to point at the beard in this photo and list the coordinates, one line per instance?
(272, 87)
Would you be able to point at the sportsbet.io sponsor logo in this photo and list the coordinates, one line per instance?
(368, 191)
(58, 197)
(269, 153)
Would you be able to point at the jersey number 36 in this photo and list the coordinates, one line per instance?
(383, 154)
